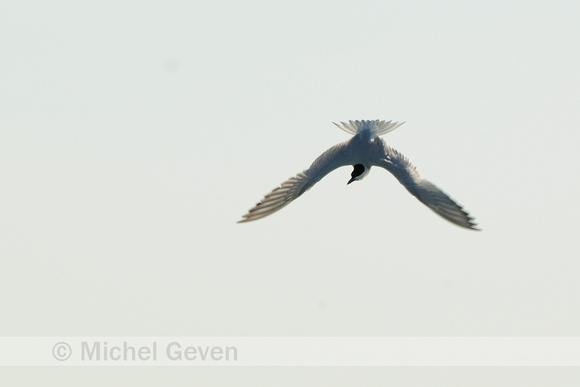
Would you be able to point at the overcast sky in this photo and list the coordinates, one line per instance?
(133, 136)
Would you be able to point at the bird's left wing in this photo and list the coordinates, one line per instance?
(292, 188)
(427, 192)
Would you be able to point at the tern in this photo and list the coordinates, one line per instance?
(363, 151)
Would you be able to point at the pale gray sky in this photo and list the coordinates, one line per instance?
(135, 134)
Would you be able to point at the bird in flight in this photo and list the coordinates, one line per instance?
(363, 151)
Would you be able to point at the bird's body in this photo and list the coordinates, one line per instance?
(363, 151)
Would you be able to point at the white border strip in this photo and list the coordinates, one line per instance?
(290, 351)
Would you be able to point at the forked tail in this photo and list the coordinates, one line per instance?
(377, 127)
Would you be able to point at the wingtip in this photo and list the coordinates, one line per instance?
(475, 227)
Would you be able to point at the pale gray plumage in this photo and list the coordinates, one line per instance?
(365, 149)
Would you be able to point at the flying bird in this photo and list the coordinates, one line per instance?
(363, 151)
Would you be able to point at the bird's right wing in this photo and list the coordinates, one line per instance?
(295, 186)
(427, 192)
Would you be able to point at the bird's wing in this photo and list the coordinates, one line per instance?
(425, 191)
(289, 190)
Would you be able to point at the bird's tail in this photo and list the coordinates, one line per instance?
(377, 127)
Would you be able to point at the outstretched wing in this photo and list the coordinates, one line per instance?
(425, 191)
(295, 186)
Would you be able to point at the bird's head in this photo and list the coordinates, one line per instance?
(358, 173)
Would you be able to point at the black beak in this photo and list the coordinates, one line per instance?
(358, 170)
